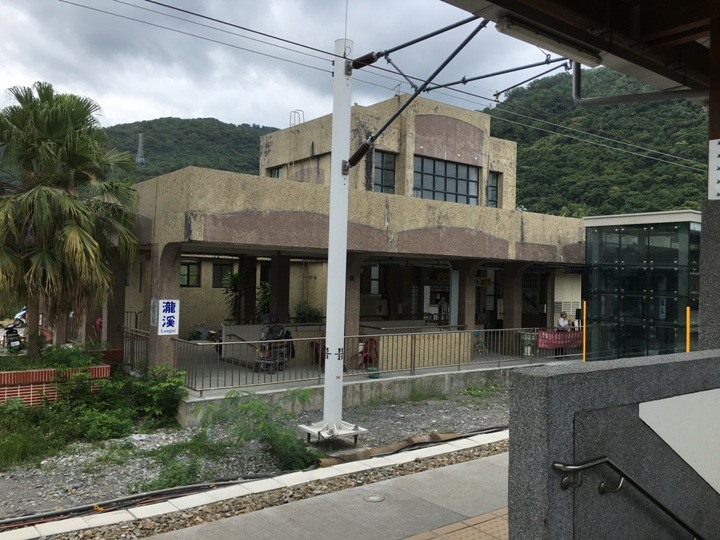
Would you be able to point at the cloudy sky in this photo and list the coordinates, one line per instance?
(140, 60)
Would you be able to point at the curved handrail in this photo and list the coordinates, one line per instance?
(604, 488)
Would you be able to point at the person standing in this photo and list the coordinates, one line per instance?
(562, 326)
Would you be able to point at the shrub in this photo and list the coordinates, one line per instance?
(79, 414)
(262, 299)
(53, 356)
(249, 417)
(158, 394)
(102, 425)
(305, 312)
(68, 356)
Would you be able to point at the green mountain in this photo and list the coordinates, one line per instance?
(572, 160)
(578, 161)
(170, 144)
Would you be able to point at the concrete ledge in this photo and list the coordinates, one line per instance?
(577, 412)
(359, 391)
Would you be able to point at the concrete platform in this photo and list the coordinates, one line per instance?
(467, 500)
(463, 501)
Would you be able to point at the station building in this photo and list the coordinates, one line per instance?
(434, 232)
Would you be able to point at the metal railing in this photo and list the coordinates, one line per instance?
(135, 348)
(238, 362)
(133, 319)
(604, 487)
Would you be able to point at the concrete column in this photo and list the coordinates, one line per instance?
(512, 294)
(280, 287)
(164, 284)
(114, 318)
(466, 297)
(709, 311)
(248, 265)
(550, 296)
(395, 291)
(352, 294)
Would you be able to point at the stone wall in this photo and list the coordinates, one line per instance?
(576, 413)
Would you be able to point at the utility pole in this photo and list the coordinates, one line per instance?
(332, 424)
(140, 155)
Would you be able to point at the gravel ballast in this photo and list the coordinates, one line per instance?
(93, 474)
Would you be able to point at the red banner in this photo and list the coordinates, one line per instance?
(550, 339)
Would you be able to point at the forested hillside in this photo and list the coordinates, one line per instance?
(174, 143)
(572, 160)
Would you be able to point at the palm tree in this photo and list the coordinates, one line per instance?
(63, 216)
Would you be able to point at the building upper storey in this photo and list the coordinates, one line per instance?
(432, 151)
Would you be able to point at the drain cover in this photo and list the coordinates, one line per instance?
(373, 498)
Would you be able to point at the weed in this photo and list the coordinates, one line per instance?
(174, 473)
(484, 394)
(374, 403)
(198, 445)
(483, 391)
(27, 434)
(117, 453)
(248, 417)
(425, 394)
(181, 461)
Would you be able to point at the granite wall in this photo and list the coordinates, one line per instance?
(575, 413)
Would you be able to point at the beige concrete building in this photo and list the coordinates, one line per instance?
(433, 229)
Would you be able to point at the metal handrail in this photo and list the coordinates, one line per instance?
(604, 488)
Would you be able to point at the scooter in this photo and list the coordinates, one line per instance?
(13, 340)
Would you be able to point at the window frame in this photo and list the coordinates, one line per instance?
(493, 185)
(217, 280)
(187, 277)
(448, 181)
(380, 183)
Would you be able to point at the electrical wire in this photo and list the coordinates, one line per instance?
(219, 29)
(699, 167)
(204, 38)
(221, 21)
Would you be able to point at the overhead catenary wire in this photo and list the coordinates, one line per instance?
(230, 32)
(190, 34)
(360, 152)
(370, 58)
(466, 80)
(233, 25)
(699, 166)
(566, 66)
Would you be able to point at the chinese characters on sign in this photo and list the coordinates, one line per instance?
(169, 319)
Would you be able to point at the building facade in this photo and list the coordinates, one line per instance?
(433, 228)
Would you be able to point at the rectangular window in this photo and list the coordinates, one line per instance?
(384, 172)
(220, 270)
(445, 181)
(493, 186)
(190, 273)
(275, 172)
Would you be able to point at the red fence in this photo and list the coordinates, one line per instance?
(551, 339)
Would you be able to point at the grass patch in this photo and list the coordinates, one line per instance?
(425, 394)
(174, 473)
(483, 391)
(117, 453)
(484, 395)
(182, 462)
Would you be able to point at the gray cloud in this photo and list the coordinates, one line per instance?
(138, 70)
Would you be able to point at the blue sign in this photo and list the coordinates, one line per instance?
(169, 317)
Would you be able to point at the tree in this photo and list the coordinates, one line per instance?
(63, 215)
